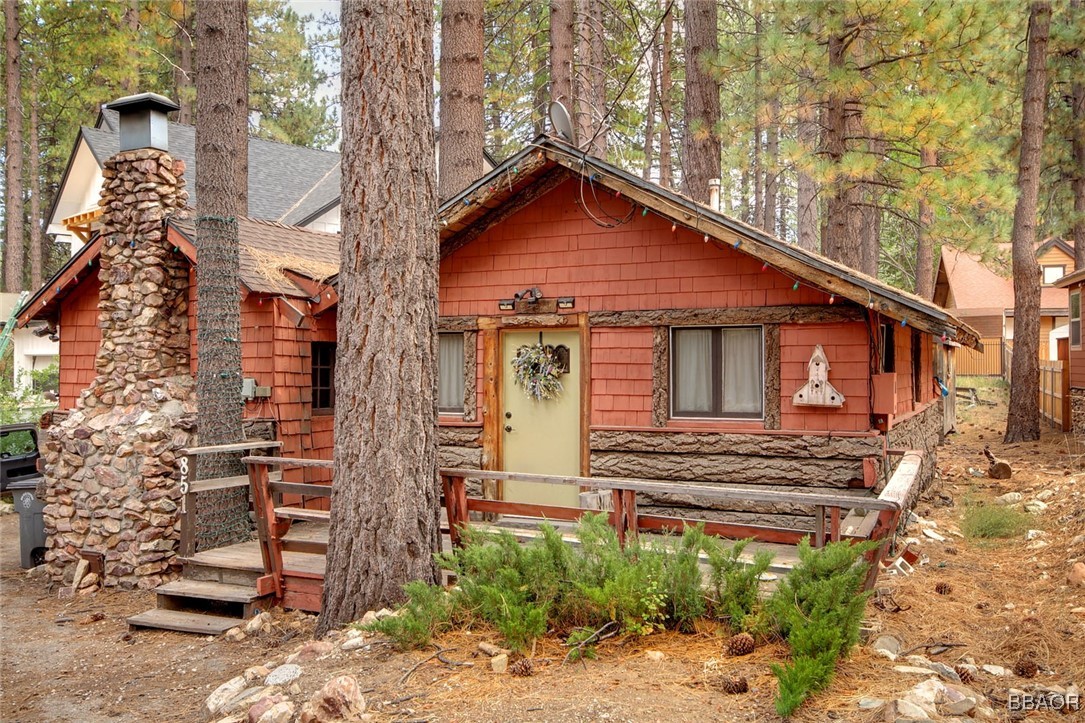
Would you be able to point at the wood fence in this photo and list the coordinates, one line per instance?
(836, 516)
(984, 361)
(1055, 394)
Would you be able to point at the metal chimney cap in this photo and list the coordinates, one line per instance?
(143, 101)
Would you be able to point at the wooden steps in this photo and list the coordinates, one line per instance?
(298, 513)
(200, 606)
(184, 622)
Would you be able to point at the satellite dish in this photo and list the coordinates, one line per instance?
(560, 122)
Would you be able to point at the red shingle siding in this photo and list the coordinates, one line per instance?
(80, 338)
(847, 348)
(621, 385)
(641, 265)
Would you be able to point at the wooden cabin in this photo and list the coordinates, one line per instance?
(690, 347)
(1074, 283)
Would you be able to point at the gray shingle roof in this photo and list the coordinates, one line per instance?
(283, 179)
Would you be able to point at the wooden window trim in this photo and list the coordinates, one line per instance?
(717, 413)
(1043, 273)
(328, 346)
(1076, 293)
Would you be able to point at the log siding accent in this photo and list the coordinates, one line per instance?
(470, 376)
(807, 314)
(661, 376)
(771, 336)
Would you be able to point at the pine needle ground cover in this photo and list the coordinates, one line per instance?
(592, 592)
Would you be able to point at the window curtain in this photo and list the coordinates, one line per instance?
(693, 383)
(450, 374)
(742, 370)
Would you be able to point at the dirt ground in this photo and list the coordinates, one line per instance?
(76, 661)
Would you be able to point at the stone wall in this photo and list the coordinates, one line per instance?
(922, 431)
(110, 466)
(1077, 412)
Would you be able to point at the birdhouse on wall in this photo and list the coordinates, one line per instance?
(818, 392)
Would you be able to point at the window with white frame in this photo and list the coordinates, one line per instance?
(717, 372)
(1053, 274)
(450, 374)
(1075, 319)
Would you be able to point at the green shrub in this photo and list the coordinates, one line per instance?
(818, 607)
(428, 611)
(993, 521)
(735, 583)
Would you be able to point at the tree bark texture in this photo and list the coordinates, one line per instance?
(1023, 419)
(806, 210)
(183, 82)
(1077, 183)
(701, 146)
(842, 219)
(462, 121)
(666, 170)
(561, 52)
(582, 75)
(33, 181)
(770, 211)
(385, 501)
(924, 246)
(650, 115)
(130, 84)
(221, 193)
(14, 220)
(870, 210)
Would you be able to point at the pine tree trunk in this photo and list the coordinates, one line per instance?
(384, 527)
(666, 170)
(598, 80)
(14, 220)
(924, 246)
(842, 219)
(462, 121)
(33, 182)
(650, 114)
(539, 74)
(561, 53)
(182, 75)
(1023, 419)
(1077, 183)
(130, 84)
(755, 158)
(221, 196)
(870, 212)
(584, 97)
(806, 210)
(701, 146)
(772, 156)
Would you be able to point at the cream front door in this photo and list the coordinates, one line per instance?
(541, 436)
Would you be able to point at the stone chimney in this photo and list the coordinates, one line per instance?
(111, 488)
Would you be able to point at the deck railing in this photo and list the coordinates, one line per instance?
(836, 516)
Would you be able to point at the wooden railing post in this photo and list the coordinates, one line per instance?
(267, 528)
(619, 514)
(186, 465)
(455, 491)
(834, 524)
(819, 526)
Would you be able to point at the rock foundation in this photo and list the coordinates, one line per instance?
(110, 466)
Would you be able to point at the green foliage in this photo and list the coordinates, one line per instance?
(735, 584)
(428, 611)
(804, 675)
(578, 650)
(818, 607)
(993, 521)
(524, 590)
(23, 402)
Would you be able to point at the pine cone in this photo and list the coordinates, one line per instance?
(741, 644)
(1026, 668)
(943, 588)
(523, 668)
(733, 684)
(964, 674)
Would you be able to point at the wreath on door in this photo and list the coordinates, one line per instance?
(537, 370)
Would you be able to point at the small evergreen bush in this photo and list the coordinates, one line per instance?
(818, 608)
(735, 584)
(428, 611)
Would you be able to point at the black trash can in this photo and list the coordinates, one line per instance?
(31, 522)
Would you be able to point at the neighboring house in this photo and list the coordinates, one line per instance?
(981, 294)
(686, 339)
(32, 348)
(288, 184)
(1074, 284)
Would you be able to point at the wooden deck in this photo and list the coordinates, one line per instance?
(245, 556)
